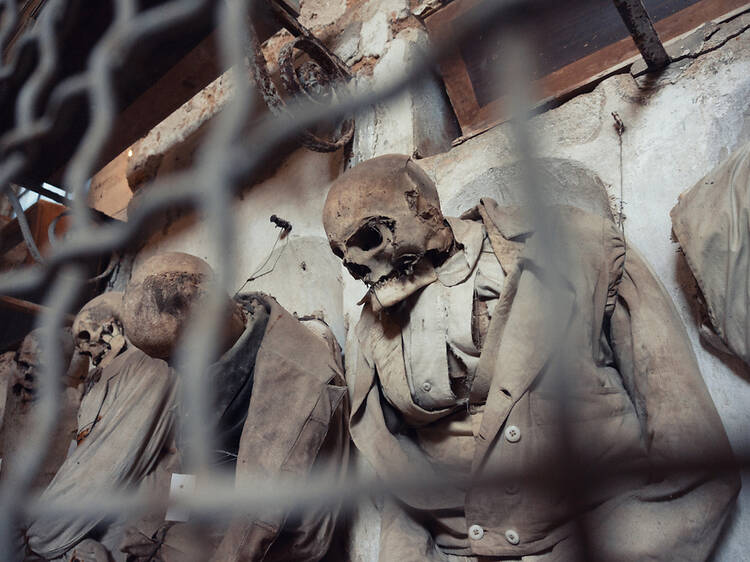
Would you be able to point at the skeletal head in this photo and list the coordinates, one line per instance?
(383, 220)
(160, 298)
(97, 328)
(89, 550)
(8, 371)
(28, 359)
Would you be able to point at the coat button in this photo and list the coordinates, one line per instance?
(512, 433)
(426, 386)
(512, 537)
(476, 532)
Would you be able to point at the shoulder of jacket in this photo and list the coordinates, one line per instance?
(368, 321)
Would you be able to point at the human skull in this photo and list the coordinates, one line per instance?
(8, 370)
(160, 297)
(97, 328)
(28, 359)
(7, 363)
(89, 550)
(383, 220)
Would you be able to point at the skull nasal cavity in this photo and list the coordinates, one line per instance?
(366, 238)
(357, 270)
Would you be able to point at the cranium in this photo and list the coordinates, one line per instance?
(383, 220)
(28, 359)
(160, 297)
(89, 550)
(97, 328)
(8, 370)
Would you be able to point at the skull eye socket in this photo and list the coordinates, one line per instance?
(337, 252)
(108, 329)
(366, 238)
(83, 335)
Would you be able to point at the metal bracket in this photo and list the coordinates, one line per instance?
(315, 79)
(641, 28)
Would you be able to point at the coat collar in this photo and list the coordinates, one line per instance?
(457, 268)
(530, 319)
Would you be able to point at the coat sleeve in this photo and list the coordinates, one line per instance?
(134, 424)
(679, 513)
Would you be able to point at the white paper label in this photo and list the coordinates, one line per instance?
(181, 487)
(72, 447)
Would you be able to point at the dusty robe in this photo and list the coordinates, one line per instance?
(124, 422)
(582, 332)
(711, 221)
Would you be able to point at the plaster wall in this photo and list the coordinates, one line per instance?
(678, 127)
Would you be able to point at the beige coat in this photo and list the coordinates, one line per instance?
(296, 423)
(124, 423)
(712, 224)
(601, 348)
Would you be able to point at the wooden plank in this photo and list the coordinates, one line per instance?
(189, 95)
(109, 192)
(476, 113)
(30, 308)
(180, 83)
(27, 16)
(456, 77)
(191, 74)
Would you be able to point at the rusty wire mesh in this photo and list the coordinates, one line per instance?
(229, 154)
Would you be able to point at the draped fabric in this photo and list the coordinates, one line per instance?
(296, 423)
(123, 424)
(583, 333)
(711, 221)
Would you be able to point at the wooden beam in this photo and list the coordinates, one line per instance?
(566, 71)
(30, 308)
(191, 74)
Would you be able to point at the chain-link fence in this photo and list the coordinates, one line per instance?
(233, 151)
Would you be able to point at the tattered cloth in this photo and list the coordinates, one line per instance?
(583, 333)
(295, 422)
(123, 423)
(711, 221)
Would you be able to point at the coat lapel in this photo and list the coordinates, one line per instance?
(529, 323)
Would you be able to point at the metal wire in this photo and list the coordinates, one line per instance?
(23, 224)
(230, 154)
